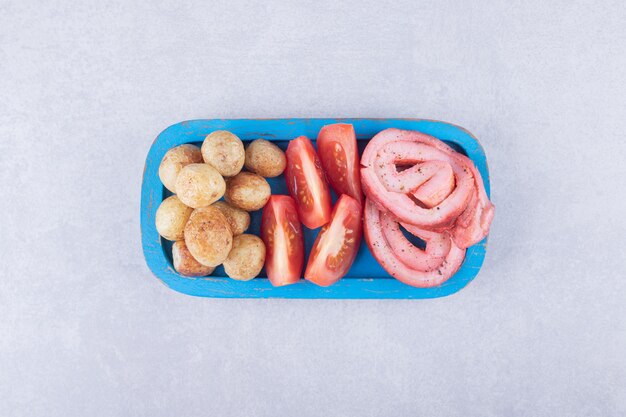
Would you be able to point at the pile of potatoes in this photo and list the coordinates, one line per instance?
(207, 231)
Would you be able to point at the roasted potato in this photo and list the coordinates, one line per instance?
(238, 219)
(246, 258)
(208, 236)
(265, 158)
(171, 217)
(185, 264)
(174, 160)
(247, 191)
(224, 151)
(199, 185)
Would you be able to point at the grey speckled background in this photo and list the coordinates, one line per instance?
(85, 330)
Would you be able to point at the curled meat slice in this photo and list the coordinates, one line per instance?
(377, 172)
(436, 189)
(409, 179)
(441, 190)
(437, 244)
(473, 224)
(407, 263)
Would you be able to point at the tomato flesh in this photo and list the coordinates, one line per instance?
(336, 146)
(307, 183)
(282, 235)
(337, 244)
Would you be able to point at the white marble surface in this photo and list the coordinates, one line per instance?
(85, 330)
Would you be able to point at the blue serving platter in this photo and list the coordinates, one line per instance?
(366, 278)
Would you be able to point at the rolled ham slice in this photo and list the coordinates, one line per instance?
(473, 225)
(404, 261)
(441, 190)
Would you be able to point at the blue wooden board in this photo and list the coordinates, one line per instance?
(366, 278)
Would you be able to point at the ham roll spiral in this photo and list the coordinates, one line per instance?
(434, 192)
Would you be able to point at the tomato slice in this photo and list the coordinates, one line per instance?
(336, 146)
(337, 244)
(282, 234)
(307, 183)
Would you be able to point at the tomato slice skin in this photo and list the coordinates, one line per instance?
(337, 148)
(282, 234)
(307, 183)
(337, 244)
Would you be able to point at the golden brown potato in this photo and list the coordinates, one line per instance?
(247, 191)
(224, 151)
(238, 219)
(171, 217)
(174, 160)
(185, 264)
(199, 185)
(246, 258)
(265, 158)
(208, 236)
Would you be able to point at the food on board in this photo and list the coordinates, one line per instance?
(224, 151)
(247, 191)
(406, 186)
(405, 261)
(265, 158)
(213, 232)
(282, 234)
(455, 188)
(185, 264)
(199, 185)
(208, 236)
(246, 258)
(174, 160)
(171, 217)
(238, 219)
(338, 152)
(435, 193)
(307, 183)
(336, 244)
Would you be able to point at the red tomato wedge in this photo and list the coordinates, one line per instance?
(307, 183)
(336, 245)
(282, 235)
(336, 146)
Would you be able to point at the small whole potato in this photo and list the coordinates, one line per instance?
(208, 236)
(174, 160)
(171, 217)
(247, 191)
(265, 158)
(185, 264)
(238, 219)
(246, 258)
(224, 151)
(199, 185)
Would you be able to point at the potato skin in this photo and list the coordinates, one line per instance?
(185, 264)
(238, 219)
(208, 236)
(265, 158)
(171, 217)
(247, 191)
(199, 185)
(176, 159)
(246, 258)
(224, 151)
